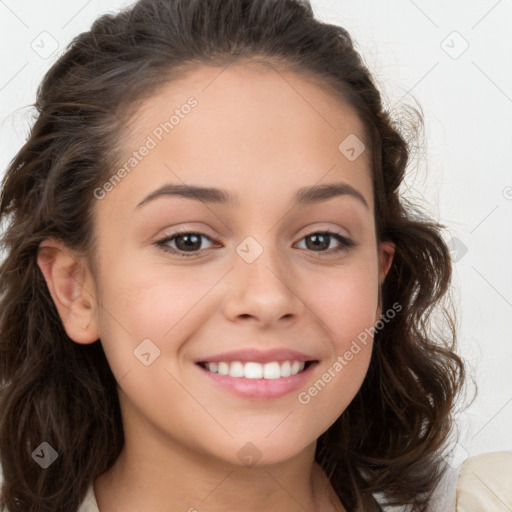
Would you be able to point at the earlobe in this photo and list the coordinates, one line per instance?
(71, 291)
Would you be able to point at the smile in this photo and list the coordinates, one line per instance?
(254, 370)
(258, 381)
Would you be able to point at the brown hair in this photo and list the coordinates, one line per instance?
(390, 438)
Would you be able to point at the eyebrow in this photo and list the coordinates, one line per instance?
(306, 195)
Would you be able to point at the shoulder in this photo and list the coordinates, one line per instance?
(485, 483)
(482, 483)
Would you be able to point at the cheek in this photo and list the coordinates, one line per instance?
(347, 300)
(348, 305)
(137, 306)
(151, 309)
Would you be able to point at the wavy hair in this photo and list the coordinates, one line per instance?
(389, 441)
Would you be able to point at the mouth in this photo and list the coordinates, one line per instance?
(258, 381)
(254, 370)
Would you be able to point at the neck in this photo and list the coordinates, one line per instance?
(160, 475)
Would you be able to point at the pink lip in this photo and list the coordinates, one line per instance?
(262, 389)
(258, 356)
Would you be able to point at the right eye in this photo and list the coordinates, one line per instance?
(188, 243)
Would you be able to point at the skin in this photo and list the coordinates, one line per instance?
(261, 134)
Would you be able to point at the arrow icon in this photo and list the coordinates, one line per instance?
(44, 455)
(454, 45)
(351, 147)
(249, 454)
(146, 352)
(249, 253)
(40, 456)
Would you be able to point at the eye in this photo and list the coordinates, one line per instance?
(321, 240)
(188, 243)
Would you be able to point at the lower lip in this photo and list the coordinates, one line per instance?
(263, 389)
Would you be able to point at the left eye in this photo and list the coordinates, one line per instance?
(322, 239)
(189, 243)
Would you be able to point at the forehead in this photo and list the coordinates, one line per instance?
(247, 92)
(253, 127)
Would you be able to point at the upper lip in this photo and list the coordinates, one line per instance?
(258, 356)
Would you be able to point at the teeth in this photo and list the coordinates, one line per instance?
(296, 367)
(223, 368)
(271, 371)
(236, 369)
(253, 370)
(286, 369)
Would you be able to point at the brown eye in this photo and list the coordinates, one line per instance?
(186, 244)
(321, 241)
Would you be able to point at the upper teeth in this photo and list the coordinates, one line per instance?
(253, 370)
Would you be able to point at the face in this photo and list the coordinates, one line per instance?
(268, 279)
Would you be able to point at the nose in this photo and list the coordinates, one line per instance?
(262, 290)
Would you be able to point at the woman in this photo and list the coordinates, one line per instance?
(289, 364)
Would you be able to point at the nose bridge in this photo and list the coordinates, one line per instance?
(260, 261)
(260, 283)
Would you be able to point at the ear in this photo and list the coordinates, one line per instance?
(72, 289)
(386, 253)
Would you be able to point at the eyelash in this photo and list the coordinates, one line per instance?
(345, 243)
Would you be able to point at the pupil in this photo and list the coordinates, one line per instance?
(190, 240)
(317, 238)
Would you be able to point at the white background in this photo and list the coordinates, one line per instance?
(463, 173)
